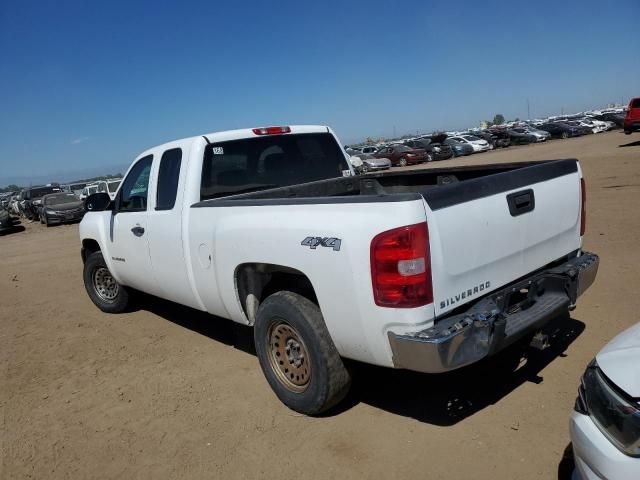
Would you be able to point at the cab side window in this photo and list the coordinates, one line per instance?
(136, 186)
(168, 175)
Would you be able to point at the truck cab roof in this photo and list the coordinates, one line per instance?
(238, 134)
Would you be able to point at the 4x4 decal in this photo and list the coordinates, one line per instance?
(329, 242)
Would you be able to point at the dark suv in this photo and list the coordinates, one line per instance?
(560, 130)
(433, 145)
(437, 151)
(33, 200)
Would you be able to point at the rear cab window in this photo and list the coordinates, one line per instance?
(251, 164)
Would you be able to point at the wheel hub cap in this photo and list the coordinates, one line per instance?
(289, 357)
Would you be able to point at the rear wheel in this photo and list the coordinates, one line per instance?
(565, 135)
(297, 355)
(105, 292)
(402, 162)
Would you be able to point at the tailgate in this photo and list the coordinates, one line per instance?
(487, 232)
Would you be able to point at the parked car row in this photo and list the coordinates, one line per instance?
(27, 202)
(48, 204)
(109, 186)
(51, 204)
(443, 146)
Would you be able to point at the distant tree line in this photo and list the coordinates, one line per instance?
(10, 188)
(499, 119)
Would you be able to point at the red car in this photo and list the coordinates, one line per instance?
(632, 119)
(401, 155)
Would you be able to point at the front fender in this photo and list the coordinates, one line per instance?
(95, 226)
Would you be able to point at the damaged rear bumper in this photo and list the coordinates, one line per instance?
(496, 321)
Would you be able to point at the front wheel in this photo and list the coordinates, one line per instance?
(565, 135)
(104, 291)
(402, 162)
(297, 355)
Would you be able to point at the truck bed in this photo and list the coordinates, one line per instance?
(440, 187)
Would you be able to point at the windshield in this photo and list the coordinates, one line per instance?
(39, 192)
(473, 138)
(251, 164)
(401, 148)
(113, 186)
(60, 198)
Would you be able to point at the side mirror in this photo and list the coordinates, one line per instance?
(98, 202)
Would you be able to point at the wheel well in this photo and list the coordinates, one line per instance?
(256, 281)
(89, 246)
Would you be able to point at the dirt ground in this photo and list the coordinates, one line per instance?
(167, 392)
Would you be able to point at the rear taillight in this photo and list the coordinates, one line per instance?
(401, 267)
(271, 130)
(583, 206)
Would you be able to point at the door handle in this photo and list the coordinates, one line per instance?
(521, 202)
(138, 231)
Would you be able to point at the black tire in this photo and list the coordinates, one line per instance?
(565, 135)
(46, 221)
(299, 320)
(113, 298)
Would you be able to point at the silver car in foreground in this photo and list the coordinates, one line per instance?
(541, 135)
(373, 164)
(369, 162)
(605, 426)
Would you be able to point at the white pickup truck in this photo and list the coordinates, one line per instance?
(428, 270)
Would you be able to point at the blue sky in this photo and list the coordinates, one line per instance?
(85, 86)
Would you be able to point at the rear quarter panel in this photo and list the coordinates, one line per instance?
(341, 279)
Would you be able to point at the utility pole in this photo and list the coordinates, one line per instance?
(528, 110)
(394, 131)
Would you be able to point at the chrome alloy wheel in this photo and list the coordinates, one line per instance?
(104, 284)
